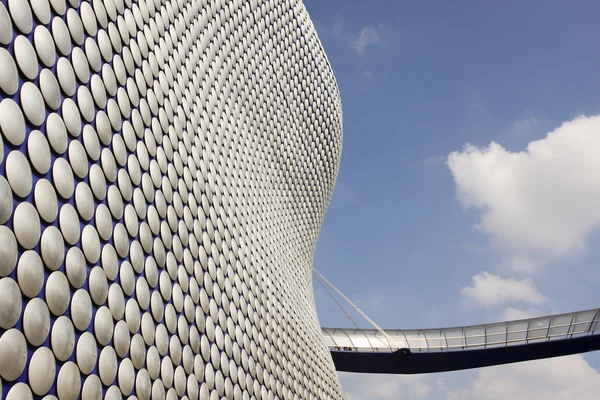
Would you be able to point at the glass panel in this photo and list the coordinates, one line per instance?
(340, 337)
(455, 338)
(327, 331)
(416, 340)
(379, 344)
(538, 328)
(582, 322)
(538, 339)
(361, 342)
(338, 334)
(383, 341)
(475, 336)
(496, 335)
(517, 331)
(421, 335)
(435, 338)
(560, 325)
(595, 327)
(343, 342)
(398, 339)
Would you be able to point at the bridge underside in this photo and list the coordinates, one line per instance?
(421, 363)
(451, 349)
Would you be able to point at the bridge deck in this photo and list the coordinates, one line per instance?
(446, 349)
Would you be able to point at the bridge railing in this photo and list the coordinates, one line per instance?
(510, 333)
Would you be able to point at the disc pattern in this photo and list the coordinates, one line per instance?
(165, 166)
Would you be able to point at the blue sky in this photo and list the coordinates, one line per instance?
(423, 232)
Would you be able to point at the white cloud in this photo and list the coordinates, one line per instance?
(538, 204)
(433, 160)
(338, 26)
(367, 36)
(526, 125)
(552, 379)
(511, 313)
(560, 378)
(489, 290)
(381, 387)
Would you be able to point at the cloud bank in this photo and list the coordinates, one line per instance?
(489, 290)
(539, 204)
(552, 379)
(367, 37)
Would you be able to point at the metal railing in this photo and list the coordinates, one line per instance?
(552, 327)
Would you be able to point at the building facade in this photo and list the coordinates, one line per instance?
(164, 171)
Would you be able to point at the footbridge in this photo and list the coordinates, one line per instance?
(417, 351)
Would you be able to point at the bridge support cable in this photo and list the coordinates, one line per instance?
(391, 342)
(340, 305)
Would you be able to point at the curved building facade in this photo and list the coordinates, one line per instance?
(165, 166)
